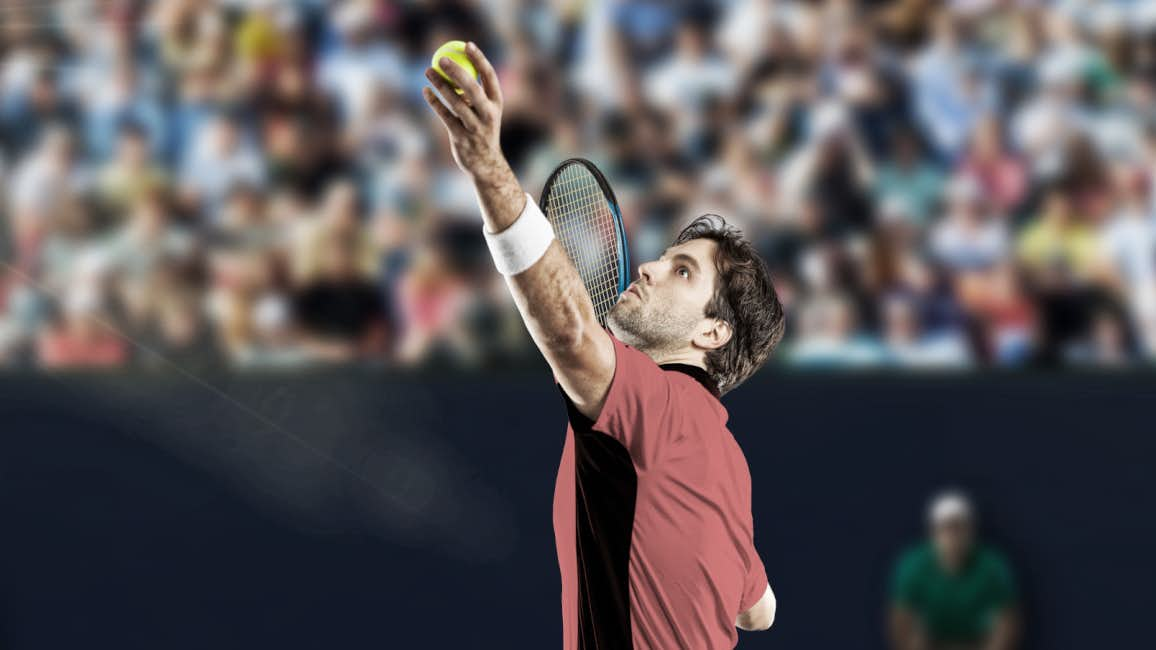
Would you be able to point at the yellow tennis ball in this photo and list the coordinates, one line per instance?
(454, 51)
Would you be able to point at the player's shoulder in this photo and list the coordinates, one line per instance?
(991, 559)
(916, 558)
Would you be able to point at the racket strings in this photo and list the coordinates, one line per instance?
(584, 222)
(588, 228)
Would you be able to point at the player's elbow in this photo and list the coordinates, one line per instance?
(761, 616)
(755, 623)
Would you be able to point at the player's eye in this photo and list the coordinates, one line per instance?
(683, 271)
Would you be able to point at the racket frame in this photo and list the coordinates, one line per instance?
(608, 193)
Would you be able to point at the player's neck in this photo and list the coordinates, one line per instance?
(688, 357)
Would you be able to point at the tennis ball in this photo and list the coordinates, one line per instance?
(454, 51)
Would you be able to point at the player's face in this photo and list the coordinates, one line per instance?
(952, 540)
(664, 309)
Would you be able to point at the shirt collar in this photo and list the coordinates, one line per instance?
(696, 373)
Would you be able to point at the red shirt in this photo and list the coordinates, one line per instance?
(652, 516)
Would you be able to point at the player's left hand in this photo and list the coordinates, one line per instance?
(473, 119)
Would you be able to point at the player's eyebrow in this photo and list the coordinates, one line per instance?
(685, 259)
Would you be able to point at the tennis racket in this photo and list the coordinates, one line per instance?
(581, 206)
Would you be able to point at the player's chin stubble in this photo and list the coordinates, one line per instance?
(647, 327)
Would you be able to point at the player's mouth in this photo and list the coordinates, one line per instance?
(635, 290)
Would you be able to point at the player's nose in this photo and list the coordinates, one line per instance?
(646, 271)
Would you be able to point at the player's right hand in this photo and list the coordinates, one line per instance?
(473, 119)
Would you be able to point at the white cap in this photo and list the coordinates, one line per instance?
(949, 506)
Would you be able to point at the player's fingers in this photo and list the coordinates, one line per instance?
(452, 100)
(444, 114)
(489, 76)
(469, 85)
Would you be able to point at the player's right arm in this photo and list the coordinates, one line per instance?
(903, 630)
(550, 295)
(1005, 631)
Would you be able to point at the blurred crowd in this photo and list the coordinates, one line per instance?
(258, 183)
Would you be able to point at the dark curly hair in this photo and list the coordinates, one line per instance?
(744, 297)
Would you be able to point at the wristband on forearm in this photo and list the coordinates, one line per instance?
(523, 242)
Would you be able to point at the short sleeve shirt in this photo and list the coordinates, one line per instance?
(652, 515)
(953, 608)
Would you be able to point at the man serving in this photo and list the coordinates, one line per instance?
(652, 506)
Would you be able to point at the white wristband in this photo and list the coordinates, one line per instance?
(523, 243)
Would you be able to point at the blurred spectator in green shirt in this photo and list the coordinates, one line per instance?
(910, 177)
(951, 592)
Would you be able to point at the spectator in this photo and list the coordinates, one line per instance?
(220, 158)
(907, 176)
(24, 117)
(952, 592)
(860, 76)
(131, 174)
(1044, 125)
(359, 63)
(1128, 240)
(147, 239)
(1007, 320)
(82, 337)
(24, 318)
(1107, 344)
(47, 180)
(276, 342)
(119, 97)
(1058, 239)
(692, 75)
(180, 334)
(827, 182)
(245, 221)
(142, 144)
(339, 308)
(968, 237)
(951, 91)
(830, 336)
(241, 281)
(434, 296)
(339, 217)
(1000, 174)
(908, 345)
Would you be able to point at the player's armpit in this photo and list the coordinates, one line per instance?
(761, 616)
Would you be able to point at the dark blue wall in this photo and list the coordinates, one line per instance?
(374, 511)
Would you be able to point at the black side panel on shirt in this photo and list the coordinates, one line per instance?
(606, 489)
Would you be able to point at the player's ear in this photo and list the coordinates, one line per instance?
(715, 334)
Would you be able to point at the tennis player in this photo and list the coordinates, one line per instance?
(652, 506)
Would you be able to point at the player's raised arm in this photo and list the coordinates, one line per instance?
(545, 285)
